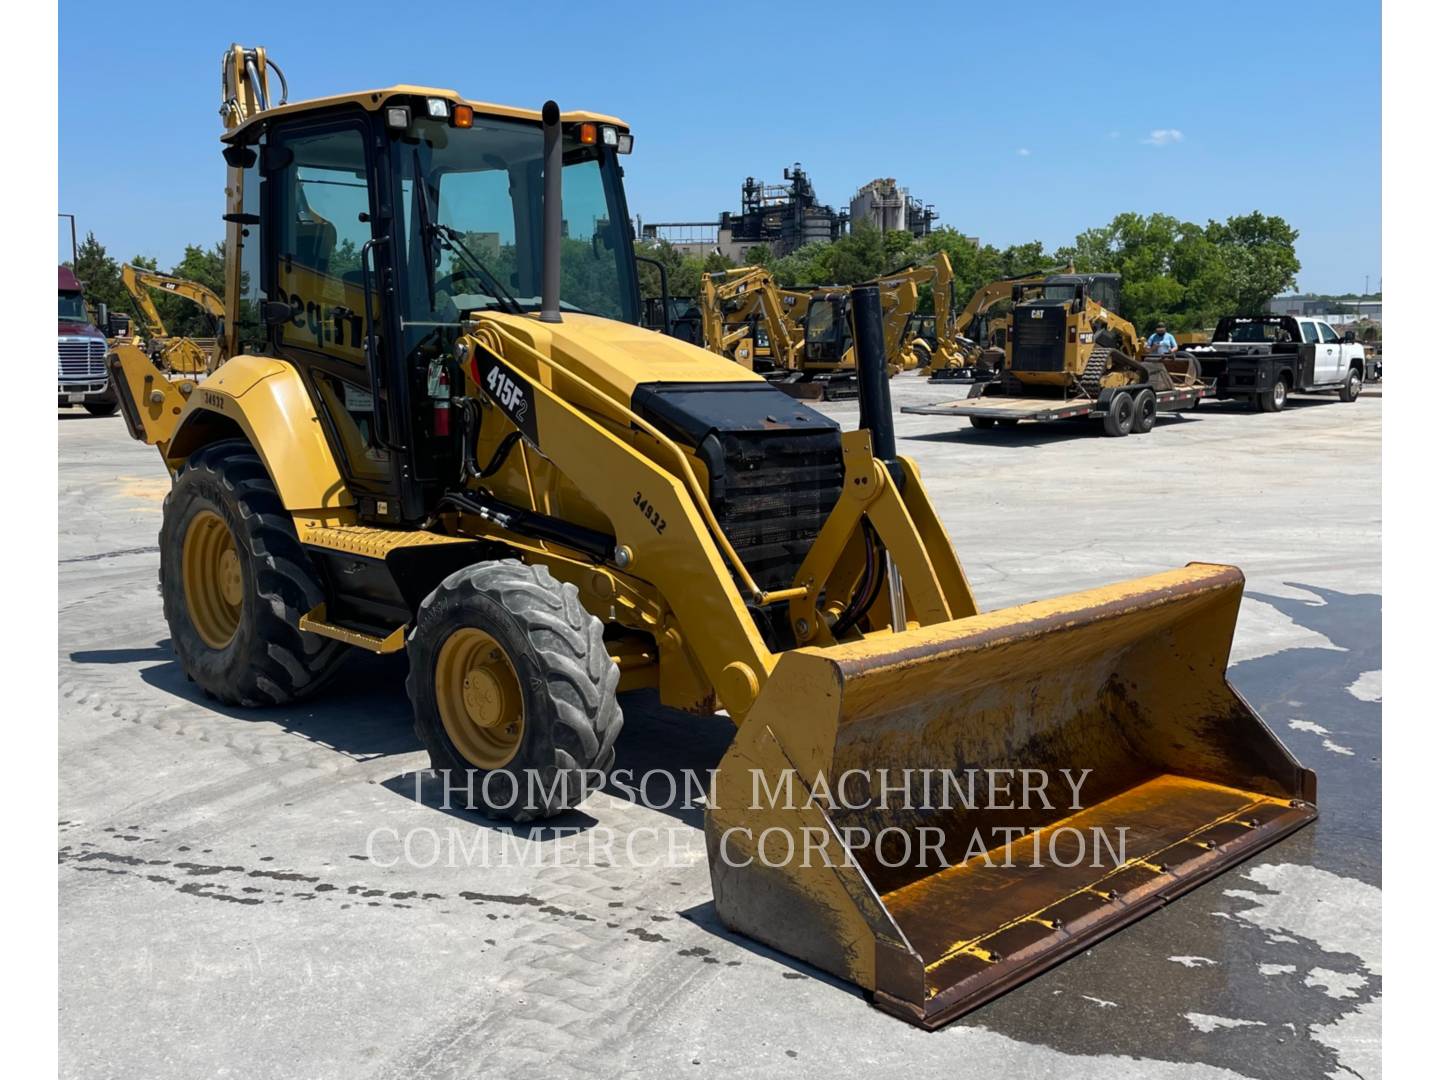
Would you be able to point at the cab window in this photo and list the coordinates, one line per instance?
(1309, 333)
(321, 215)
(1328, 335)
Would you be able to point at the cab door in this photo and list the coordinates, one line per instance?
(319, 207)
(1313, 362)
(1330, 356)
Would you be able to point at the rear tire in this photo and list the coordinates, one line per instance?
(1353, 382)
(1146, 410)
(235, 581)
(509, 674)
(1120, 416)
(982, 422)
(1275, 400)
(102, 408)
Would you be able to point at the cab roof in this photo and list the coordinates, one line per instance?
(374, 100)
(68, 281)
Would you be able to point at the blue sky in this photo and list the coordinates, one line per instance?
(1018, 123)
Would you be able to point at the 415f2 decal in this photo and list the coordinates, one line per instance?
(508, 389)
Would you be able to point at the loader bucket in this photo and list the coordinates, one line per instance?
(1156, 775)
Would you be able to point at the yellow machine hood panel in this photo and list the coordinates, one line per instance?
(619, 356)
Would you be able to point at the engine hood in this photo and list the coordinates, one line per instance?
(618, 357)
(70, 328)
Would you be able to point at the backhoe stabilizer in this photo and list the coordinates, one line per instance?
(941, 814)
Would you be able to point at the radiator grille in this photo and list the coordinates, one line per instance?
(82, 360)
(1039, 343)
(777, 491)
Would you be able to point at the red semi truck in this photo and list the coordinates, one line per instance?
(83, 377)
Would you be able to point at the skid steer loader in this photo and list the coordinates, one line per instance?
(455, 440)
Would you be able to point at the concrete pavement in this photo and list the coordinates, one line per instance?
(237, 897)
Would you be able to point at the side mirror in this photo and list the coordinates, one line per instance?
(1349, 338)
(102, 314)
(274, 312)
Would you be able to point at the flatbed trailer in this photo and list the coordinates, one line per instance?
(988, 409)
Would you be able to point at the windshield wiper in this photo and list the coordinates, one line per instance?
(431, 230)
(451, 239)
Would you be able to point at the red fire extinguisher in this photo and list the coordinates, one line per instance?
(439, 397)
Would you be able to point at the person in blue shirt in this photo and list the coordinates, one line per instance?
(1161, 341)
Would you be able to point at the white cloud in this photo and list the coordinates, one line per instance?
(1024, 151)
(1163, 137)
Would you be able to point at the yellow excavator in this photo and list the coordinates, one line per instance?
(461, 444)
(971, 335)
(174, 355)
(801, 337)
(916, 349)
(746, 317)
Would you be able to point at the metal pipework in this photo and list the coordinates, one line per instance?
(551, 216)
(876, 415)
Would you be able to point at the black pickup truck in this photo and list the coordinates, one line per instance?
(1265, 358)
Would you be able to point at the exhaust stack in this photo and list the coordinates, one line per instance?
(551, 215)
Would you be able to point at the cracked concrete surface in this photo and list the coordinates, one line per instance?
(235, 900)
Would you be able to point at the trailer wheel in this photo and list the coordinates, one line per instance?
(1351, 390)
(1146, 409)
(1120, 416)
(513, 689)
(1274, 401)
(982, 422)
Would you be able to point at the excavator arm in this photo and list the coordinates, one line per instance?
(731, 300)
(180, 354)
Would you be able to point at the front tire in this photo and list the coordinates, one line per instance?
(235, 582)
(514, 689)
(1353, 382)
(102, 408)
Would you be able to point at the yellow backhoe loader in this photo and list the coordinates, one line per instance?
(458, 442)
(174, 355)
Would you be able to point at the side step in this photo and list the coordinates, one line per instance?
(314, 622)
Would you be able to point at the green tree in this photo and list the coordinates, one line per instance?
(1259, 253)
(100, 274)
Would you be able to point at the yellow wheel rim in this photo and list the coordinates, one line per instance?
(214, 584)
(478, 694)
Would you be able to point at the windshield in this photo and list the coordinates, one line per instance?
(72, 307)
(1253, 331)
(475, 217)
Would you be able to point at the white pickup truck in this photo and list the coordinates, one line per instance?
(1265, 358)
